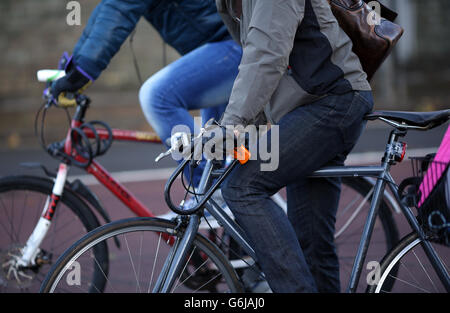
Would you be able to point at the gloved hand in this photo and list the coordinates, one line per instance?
(75, 81)
(218, 142)
(214, 142)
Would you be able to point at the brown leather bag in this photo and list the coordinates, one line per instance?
(371, 43)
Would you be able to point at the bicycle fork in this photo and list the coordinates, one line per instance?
(31, 248)
(178, 256)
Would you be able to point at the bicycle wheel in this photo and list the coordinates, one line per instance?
(22, 200)
(354, 204)
(415, 272)
(136, 268)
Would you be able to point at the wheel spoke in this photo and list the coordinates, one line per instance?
(10, 233)
(206, 283)
(354, 214)
(408, 269)
(409, 272)
(425, 271)
(154, 262)
(410, 284)
(140, 256)
(190, 275)
(23, 211)
(103, 273)
(184, 268)
(132, 263)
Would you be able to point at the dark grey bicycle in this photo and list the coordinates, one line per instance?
(173, 255)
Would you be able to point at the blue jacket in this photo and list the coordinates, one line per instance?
(183, 24)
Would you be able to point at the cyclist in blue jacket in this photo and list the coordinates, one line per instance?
(201, 79)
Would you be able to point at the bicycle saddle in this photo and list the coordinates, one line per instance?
(425, 120)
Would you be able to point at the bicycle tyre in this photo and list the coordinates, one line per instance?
(43, 186)
(134, 225)
(393, 260)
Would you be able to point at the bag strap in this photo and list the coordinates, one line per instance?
(234, 8)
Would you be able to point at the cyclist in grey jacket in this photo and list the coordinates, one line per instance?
(298, 72)
(301, 35)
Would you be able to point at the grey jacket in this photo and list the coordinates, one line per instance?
(294, 52)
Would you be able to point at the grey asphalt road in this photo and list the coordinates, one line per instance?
(135, 156)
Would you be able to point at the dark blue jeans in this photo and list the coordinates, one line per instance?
(201, 79)
(296, 251)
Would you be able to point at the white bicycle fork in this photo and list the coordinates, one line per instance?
(31, 248)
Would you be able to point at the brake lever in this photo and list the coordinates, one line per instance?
(177, 141)
(47, 96)
(163, 155)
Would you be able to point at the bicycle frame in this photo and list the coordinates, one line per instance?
(102, 174)
(383, 177)
(120, 191)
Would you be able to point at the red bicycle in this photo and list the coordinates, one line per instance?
(43, 216)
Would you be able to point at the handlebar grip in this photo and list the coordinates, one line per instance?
(46, 76)
(67, 100)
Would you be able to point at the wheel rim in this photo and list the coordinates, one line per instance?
(415, 272)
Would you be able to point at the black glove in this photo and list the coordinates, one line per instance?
(218, 142)
(75, 81)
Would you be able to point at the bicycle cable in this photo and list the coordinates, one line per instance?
(36, 131)
(42, 112)
(187, 189)
(135, 62)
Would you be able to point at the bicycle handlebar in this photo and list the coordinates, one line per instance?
(46, 76)
(69, 99)
(241, 155)
(205, 195)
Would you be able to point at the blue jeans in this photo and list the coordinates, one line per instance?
(201, 79)
(296, 251)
